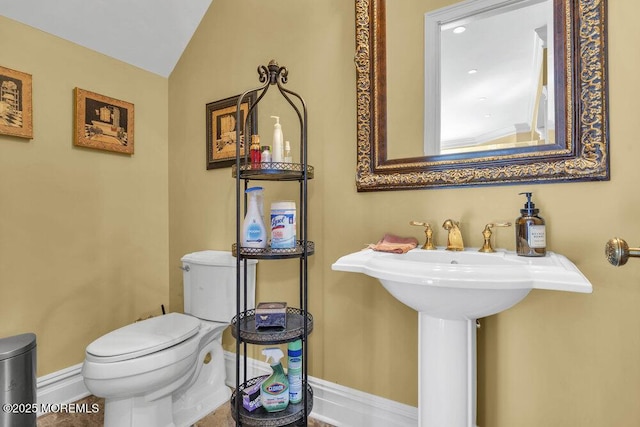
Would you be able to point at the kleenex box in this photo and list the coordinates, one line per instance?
(251, 397)
(271, 315)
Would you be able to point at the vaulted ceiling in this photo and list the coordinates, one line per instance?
(149, 34)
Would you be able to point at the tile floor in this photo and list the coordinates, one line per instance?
(219, 418)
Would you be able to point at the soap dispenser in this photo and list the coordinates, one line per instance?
(531, 239)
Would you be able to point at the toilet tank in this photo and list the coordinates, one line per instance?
(209, 280)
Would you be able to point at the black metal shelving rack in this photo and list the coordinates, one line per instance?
(299, 320)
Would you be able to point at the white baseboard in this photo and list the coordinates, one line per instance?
(332, 403)
(64, 386)
(338, 405)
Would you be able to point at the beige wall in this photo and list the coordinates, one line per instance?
(556, 359)
(83, 233)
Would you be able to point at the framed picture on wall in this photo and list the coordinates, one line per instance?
(15, 103)
(102, 122)
(221, 129)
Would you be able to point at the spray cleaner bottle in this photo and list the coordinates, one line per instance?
(274, 391)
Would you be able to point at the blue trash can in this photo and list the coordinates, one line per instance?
(18, 381)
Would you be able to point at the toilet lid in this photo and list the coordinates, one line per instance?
(144, 337)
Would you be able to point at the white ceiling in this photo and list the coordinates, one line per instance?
(150, 34)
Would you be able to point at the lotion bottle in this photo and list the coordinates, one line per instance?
(531, 238)
(278, 149)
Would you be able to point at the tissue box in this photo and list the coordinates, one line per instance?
(251, 397)
(271, 315)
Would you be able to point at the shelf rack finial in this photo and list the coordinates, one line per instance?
(274, 71)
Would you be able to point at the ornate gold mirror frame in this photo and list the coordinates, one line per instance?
(581, 152)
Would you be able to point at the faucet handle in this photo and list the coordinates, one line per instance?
(486, 233)
(428, 232)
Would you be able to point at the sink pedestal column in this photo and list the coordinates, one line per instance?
(447, 372)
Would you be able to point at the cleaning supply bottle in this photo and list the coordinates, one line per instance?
(274, 391)
(294, 370)
(259, 195)
(254, 233)
(278, 149)
(531, 239)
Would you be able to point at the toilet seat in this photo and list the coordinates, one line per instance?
(142, 338)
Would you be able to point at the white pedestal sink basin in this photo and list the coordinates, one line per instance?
(450, 290)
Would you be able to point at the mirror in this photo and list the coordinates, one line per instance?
(405, 94)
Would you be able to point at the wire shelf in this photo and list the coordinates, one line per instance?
(293, 330)
(274, 253)
(260, 417)
(273, 171)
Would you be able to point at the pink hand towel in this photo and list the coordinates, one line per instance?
(394, 244)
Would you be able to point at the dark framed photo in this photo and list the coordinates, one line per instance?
(16, 110)
(102, 122)
(221, 129)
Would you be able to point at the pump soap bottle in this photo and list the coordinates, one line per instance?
(278, 148)
(531, 239)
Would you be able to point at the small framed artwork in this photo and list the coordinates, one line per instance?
(102, 122)
(15, 103)
(221, 129)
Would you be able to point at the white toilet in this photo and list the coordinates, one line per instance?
(169, 370)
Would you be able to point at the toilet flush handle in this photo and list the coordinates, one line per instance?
(185, 268)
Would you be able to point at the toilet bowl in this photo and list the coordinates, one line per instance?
(168, 371)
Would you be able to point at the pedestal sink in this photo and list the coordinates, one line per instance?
(450, 290)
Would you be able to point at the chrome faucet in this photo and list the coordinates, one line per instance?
(454, 239)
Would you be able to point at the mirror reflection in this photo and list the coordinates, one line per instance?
(496, 81)
(487, 76)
